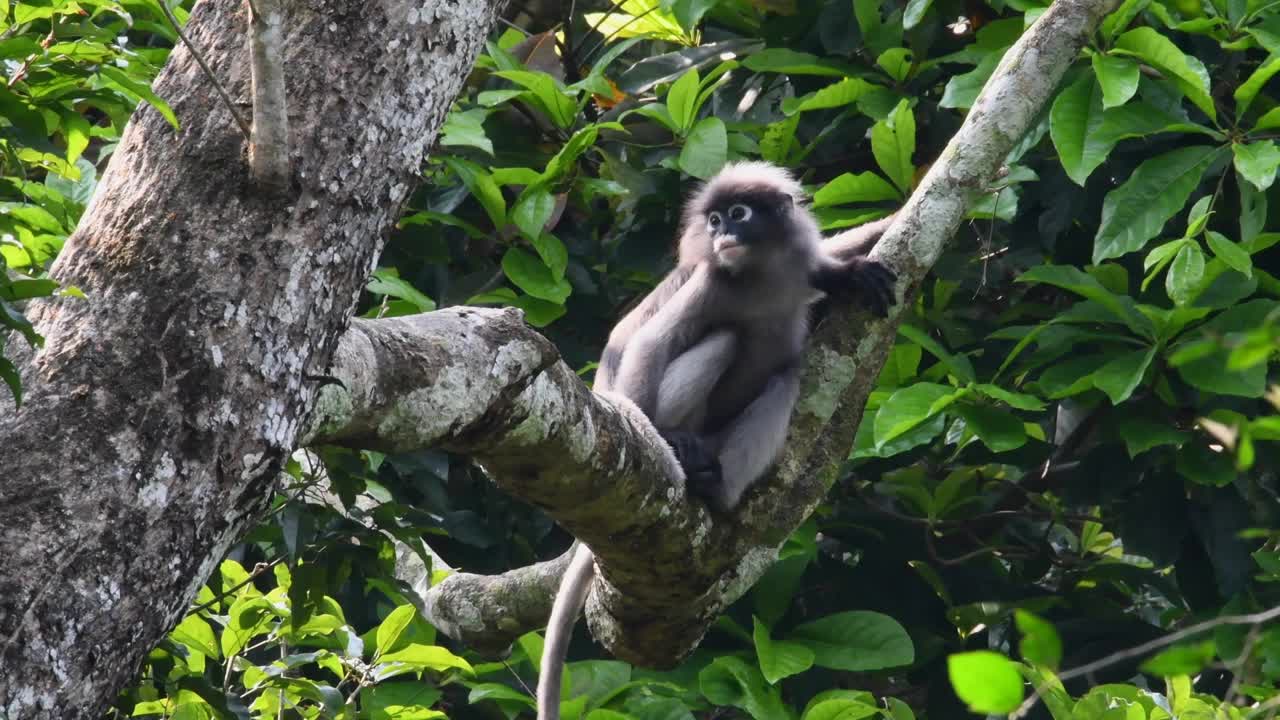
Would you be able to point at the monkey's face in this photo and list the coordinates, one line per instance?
(748, 227)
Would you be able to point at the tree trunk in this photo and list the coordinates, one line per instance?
(160, 409)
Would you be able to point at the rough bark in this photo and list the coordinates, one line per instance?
(478, 382)
(161, 407)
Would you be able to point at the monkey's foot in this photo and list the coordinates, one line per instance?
(867, 280)
(701, 466)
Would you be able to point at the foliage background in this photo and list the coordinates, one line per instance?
(1071, 450)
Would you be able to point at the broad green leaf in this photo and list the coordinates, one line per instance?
(998, 430)
(1236, 257)
(553, 253)
(1269, 120)
(1159, 51)
(533, 276)
(840, 709)
(1209, 372)
(392, 628)
(893, 141)
(1118, 78)
(1021, 401)
(988, 682)
(1074, 118)
(1248, 90)
(729, 681)
(1071, 376)
(962, 90)
(1085, 285)
(400, 701)
(1122, 374)
(856, 640)
(681, 101)
(198, 635)
(914, 13)
(1040, 643)
(689, 12)
(864, 187)
(482, 187)
(1257, 162)
(779, 659)
(908, 407)
(385, 281)
(429, 657)
(959, 365)
(706, 149)
(131, 86)
(897, 62)
(546, 94)
(1141, 434)
(791, 62)
(639, 18)
(1136, 211)
(466, 129)
(838, 94)
(532, 211)
(75, 128)
(1185, 274)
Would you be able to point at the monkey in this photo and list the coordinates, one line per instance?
(712, 354)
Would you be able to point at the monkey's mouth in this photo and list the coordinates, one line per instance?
(728, 248)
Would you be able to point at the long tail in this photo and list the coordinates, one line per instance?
(564, 613)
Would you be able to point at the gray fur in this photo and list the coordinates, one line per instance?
(715, 349)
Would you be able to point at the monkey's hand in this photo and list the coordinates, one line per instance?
(860, 278)
(701, 466)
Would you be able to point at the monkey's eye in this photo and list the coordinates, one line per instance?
(740, 213)
(714, 219)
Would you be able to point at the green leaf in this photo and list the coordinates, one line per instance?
(1021, 401)
(779, 659)
(532, 211)
(1040, 643)
(429, 657)
(681, 101)
(729, 681)
(988, 682)
(1160, 52)
(893, 140)
(1122, 374)
(839, 709)
(546, 94)
(1235, 257)
(130, 86)
(385, 281)
(400, 701)
(1181, 659)
(1070, 278)
(914, 13)
(791, 62)
(535, 277)
(959, 365)
(1185, 274)
(998, 430)
(1248, 90)
(198, 635)
(1257, 162)
(75, 128)
(897, 61)
(1141, 433)
(553, 253)
(962, 90)
(909, 407)
(1075, 116)
(1269, 120)
(482, 187)
(466, 129)
(1136, 211)
(849, 188)
(837, 94)
(1210, 372)
(706, 149)
(392, 628)
(1118, 78)
(856, 640)
(689, 12)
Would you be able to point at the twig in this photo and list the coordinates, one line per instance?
(222, 92)
(1121, 655)
(269, 145)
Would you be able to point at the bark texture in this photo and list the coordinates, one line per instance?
(160, 409)
(481, 383)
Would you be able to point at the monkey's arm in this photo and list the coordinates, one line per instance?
(856, 242)
(632, 322)
(867, 280)
(752, 441)
(677, 324)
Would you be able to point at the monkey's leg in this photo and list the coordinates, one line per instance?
(689, 379)
(752, 441)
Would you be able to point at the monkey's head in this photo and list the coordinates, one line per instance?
(749, 214)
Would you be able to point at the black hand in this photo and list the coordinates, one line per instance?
(701, 467)
(868, 280)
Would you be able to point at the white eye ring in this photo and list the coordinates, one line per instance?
(714, 219)
(740, 213)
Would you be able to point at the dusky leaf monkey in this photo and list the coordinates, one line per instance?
(712, 355)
